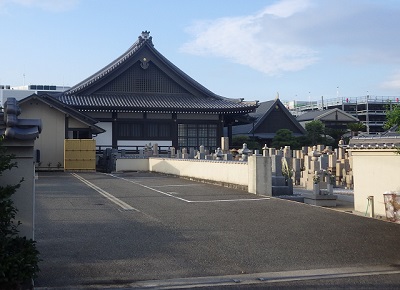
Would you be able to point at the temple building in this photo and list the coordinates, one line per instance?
(141, 97)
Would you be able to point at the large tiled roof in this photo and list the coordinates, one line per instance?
(173, 103)
(112, 66)
(87, 95)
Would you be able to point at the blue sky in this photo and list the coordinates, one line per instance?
(303, 49)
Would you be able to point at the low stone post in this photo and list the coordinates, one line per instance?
(265, 150)
(225, 144)
(155, 149)
(172, 152)
(260, 175)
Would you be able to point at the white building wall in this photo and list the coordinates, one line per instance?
(127, 143)
(104, 139)
(51, 140)
(375, 172)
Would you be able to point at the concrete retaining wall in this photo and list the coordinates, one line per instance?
(254, 175)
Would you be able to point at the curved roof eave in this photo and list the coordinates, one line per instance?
(143, 40)
(108, 68)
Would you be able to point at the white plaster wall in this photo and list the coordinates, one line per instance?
(219, 171)
(104, 139)
(122, 143)
(129, 164)
(375, 172)
(74, 123)
(51, 139)
(229, 172)
(255, 174)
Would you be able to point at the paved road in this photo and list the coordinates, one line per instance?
(131, 228)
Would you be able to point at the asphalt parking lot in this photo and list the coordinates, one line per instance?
(138, 229)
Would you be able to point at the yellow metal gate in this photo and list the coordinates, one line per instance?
(80, 154)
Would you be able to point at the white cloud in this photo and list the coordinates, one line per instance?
(48, 5)
(393, 82)
(291, 35)
(238, 39)
(285, 8)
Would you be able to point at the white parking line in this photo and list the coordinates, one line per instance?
(148, 187)
(185, 200)
(177, 185)
(227, 200)
(104, 193)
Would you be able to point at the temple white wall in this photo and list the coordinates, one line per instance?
(104, 139)
(375, 172)
(255, 174)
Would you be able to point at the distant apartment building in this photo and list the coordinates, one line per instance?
(370, 110)
(21, 92)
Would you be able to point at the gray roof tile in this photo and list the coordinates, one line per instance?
(154, 102)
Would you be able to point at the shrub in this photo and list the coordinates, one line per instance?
(18, 255)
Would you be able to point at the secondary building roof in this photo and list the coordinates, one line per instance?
(268, 118)
(327, 115)
(52, 102)
(143, 80)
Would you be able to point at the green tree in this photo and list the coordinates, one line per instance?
(19, 257)
(335, 136)
(356, 127)
(284, 137)
(315, 132)
(393, 117)
(237, 142)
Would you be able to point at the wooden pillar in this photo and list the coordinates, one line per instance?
(114, 142)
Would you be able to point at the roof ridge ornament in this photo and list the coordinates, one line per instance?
(145, 35)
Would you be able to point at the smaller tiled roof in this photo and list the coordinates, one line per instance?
(319, 114)
(375, 142)
(52, 101)
(388, 139)
(259, 116)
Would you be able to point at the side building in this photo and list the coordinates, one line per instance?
(268, 118)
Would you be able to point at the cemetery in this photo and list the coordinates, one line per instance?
(235, 168)
(274, 172)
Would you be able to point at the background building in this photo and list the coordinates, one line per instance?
(370, 110)
(20, 92)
